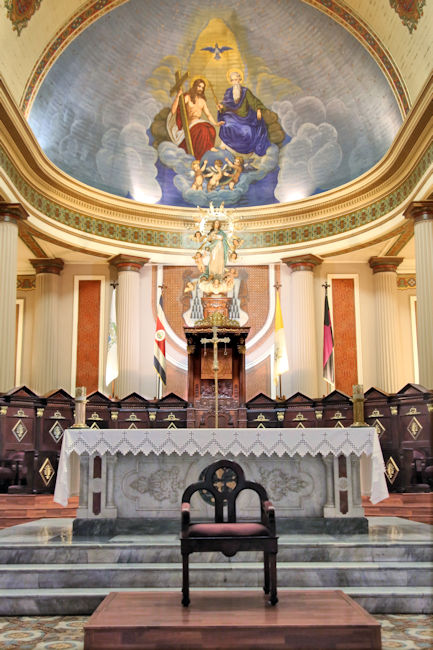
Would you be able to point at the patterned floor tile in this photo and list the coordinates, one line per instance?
(399, 632)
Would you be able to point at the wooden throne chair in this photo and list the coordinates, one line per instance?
(222, 482)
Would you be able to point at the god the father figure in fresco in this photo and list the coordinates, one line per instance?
(243, 128)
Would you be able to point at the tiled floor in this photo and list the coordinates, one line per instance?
(405, 632)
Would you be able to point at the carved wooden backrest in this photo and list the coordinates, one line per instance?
(224, 480)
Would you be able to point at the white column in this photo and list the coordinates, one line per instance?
(45, 362)
(303, 361)
(387, 322)
(10, 215)
(422, 214)
(128, 323)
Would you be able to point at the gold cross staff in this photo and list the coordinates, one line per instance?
(215, 367)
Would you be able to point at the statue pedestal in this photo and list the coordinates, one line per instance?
(231, 374)
(215, 304)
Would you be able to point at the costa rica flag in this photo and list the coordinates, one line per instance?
(159, 359)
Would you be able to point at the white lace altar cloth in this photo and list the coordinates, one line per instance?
(227, 442)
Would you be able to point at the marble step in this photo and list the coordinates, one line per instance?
(162, 550)
(230, 574)
(83, 601)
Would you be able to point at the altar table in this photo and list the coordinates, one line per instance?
(128, 474)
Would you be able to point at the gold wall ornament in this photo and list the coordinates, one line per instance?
(39, 412)
(152, 416)
(394, 410)
(300, 425)
(413, 411)
(391, 470)
(280, 416)
(339, 425)
(376, 414)
(217, 319)
(430, 408)
(94, 426)
(133, 418)
(114, 415)
(338, 416)
(56, 431)
(318, 414)
(46, 472)
(3, 410)
(299, 417)
(171, 417)
(132, 426)
(380, 429)
(261, 418)
(260, 426)
(172, 425)
(414, 427)
(20, 414)
(19, 430)
(57, 416)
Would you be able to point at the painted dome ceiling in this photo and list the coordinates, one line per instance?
(312, 110)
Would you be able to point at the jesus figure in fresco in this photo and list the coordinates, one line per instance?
(202, 132)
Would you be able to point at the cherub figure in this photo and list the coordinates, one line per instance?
(238, 168)
(215, 175)
(198, 174)
(198, 259)
(197, 236)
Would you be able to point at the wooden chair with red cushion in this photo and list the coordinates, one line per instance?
(223, 481)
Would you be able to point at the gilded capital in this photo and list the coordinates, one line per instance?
(420, 211)
(302, 262)
(12, 212)
(384, 264)
(128, 262)
(47, 265)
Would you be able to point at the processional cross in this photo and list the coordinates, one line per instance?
(215, 367)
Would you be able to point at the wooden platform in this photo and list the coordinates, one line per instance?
(21, 508)
(416, 506)
(304, 620)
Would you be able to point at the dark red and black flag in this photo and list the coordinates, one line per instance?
(328, 346)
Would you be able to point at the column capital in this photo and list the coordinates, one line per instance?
(302, 262)
(47, 265)
(385, 264)
(12, 212)
(419, 211)
(128, 262)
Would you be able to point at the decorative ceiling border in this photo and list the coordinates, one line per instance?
(405, 235)
(176, 240)
(94, 10)
(30, 241)
(406, 281)
(26, 282)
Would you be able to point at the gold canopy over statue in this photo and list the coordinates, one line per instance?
(218, 244)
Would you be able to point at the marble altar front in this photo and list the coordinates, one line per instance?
(135, 477)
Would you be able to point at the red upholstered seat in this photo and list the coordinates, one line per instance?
(249, 529)
(223, 481)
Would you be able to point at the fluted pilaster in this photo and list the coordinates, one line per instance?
(10, 215)
(303, 360)
(422, 214)
(128, 322)
(387, 322)
(45, 366)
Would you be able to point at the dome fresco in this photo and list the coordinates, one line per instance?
(285, 104)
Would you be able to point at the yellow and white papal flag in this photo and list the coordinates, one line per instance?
(281, 361)
(112, 366)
